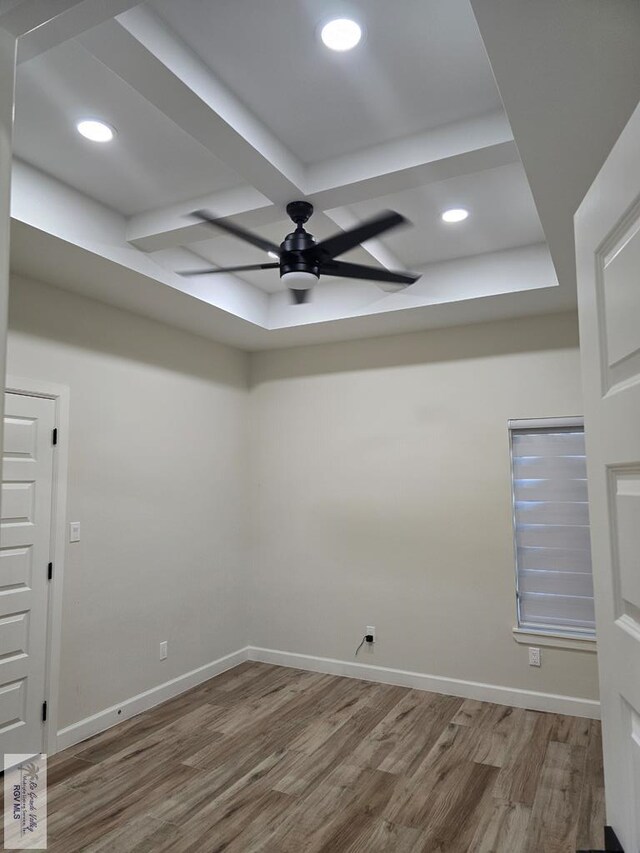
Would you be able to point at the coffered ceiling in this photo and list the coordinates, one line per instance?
(236, 106)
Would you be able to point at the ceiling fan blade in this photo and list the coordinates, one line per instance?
(340, 243)
(345, 270)
(237, 231)
(211, 270)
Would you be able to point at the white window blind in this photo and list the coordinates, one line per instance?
(551, 525)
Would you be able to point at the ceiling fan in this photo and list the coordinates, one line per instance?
(302, 261)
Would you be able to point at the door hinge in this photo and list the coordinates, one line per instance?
(44, 712)
(54, 436)
(50, 571)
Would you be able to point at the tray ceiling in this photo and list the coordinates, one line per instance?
(237, 107)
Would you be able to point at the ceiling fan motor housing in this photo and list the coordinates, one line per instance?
(297, 269)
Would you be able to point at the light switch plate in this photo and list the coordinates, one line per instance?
(74, 531)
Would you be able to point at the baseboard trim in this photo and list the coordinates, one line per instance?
(551, 702)
(103, 720)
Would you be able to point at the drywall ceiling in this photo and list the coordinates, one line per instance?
(237, 107)
(421, 66)
(151, 162)
(569, 76)
(502, 216)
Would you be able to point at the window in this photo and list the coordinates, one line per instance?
(551, 527)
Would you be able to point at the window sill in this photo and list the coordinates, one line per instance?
(528, 637)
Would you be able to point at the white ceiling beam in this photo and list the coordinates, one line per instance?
(42, 24)
(171, 226)
(142, 51)
(460, 148)
(21, 17)
(71, 23)
(457, 149)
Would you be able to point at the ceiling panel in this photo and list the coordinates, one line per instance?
(502, 216)
(421, 64)
(150, 163)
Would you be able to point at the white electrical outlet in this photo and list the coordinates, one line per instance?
(371, 629)
(163, 650)
(534, 656)
(74, 531)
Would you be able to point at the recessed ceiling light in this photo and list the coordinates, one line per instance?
(96, 131)
(341, 34)
(456, 214)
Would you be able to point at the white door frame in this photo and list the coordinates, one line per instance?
(60, 395)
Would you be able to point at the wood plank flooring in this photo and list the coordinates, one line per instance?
(264, 758)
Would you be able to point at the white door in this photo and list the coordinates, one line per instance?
(608, 256)
(25, 537)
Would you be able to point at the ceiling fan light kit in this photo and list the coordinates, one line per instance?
(299, 280)
(455, 214)
(302, 261)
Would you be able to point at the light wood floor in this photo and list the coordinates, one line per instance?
(265, 758)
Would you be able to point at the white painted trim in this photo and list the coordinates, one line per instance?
(529, 637)
(109, 717)
(60, 395)
(515, 696)
(546, 423)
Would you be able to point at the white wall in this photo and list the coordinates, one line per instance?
(381, 495)
(157, 477)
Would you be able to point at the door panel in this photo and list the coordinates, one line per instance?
(25, 537)
(626, 565)
(608, 263)
(621, 294)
